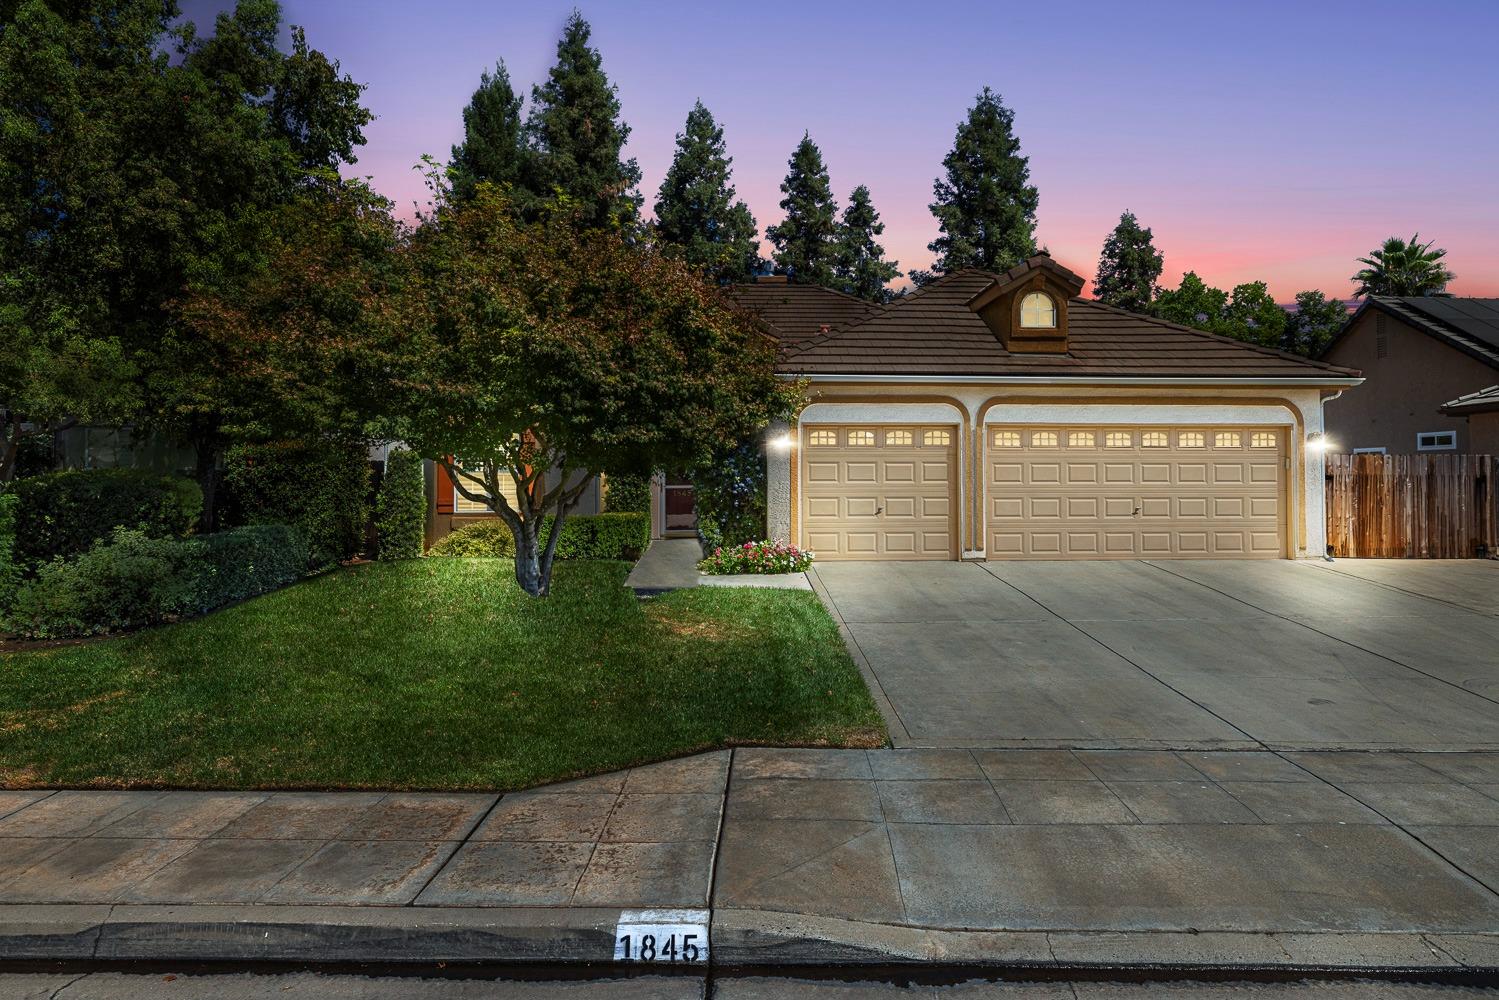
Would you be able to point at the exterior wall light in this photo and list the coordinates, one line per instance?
(781, 442)
(1317, 442)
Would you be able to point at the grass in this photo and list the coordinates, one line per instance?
(433, 674)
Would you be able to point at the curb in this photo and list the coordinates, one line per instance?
(741, 939)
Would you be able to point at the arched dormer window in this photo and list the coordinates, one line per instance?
(1038, 312)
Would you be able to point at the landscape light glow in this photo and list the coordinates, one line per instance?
(781, 442)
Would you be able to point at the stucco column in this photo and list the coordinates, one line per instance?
(778, 484)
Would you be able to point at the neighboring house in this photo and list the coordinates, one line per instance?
(1417, 353)
(1481, 412)
(448, 509)
(1001, 416)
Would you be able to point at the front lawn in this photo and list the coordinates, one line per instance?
(433, 673)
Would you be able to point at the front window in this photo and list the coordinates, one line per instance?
(1038, 311)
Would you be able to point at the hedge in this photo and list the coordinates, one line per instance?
(586, 536)
(401, 507)
(130, 581)
(63, 514)
(10, 569)
(318, 487)
(625, 493)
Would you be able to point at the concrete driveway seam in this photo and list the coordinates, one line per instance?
(1331, 567)
(1126, 659)
(1312, 628)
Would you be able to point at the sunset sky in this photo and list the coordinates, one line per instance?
(1273, 141)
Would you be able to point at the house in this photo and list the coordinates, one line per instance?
(1417, 354)
(1481, 412)
(1002, 416)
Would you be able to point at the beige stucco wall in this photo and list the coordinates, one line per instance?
(970, 406)
(1403, 392)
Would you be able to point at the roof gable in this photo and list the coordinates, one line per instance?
(1468, 325)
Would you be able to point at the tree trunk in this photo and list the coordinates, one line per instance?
(207, 474)
(528, 560)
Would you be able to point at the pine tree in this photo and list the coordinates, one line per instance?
(859, 264)
(804, 239)
(494, 142)
(1129, 267)
(985, 207)
(696, 210)
(576, 131)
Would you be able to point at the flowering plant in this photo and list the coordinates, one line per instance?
(756, 557)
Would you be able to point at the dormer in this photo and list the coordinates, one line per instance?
(1026, 307)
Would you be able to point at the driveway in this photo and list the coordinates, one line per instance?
(1184, 655)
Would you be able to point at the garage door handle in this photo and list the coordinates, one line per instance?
(1137, 511)
(878, 511)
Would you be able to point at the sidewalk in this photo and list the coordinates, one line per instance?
(1072, 859)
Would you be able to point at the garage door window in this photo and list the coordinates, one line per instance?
(823, 438)
(1043, 439)
(898, 437)
(1226, 439)
(861, 439)
(1154, 439)
(1007, 439)
(936, 438)
(1118, 439)
(1190, 439)
(1262, 439)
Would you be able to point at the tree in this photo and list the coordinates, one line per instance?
(494, 142)
(1192, 303)
(1252, 316)
(859, 264)
(985, 206)
(219, 166)
(71, 80)
(1401, 268)
(803, 240)
(1129, 267)
(541, 352)
(696, 210)
(575, 129)
(1313, 324)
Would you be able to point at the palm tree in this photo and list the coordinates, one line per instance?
(1401, 268)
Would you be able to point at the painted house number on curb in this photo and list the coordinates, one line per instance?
(662, 936)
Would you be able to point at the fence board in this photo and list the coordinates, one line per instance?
(1411, 506)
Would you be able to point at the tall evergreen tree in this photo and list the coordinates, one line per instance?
(578, 136)
(1129, 267)
(859, 264)
(985, 206)
(804, 239)
(696, 210)
(494, 142)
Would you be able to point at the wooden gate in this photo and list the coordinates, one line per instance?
(1410, 506)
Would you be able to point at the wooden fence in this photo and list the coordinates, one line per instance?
(1411, 506)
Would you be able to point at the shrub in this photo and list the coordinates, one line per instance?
(626, 493)
(63, 514)
(729, 495)
(10, 569)
(487, 539)
(401, 507)
(586, 536)
(756, 557)
(131, 580)
(318, 487)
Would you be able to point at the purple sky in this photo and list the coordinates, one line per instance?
(1273, 141)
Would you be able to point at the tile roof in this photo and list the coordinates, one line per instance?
(933, 332)
(1470, 325)
(1482, 401)
(797, 312)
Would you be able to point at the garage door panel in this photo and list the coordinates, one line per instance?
(881, 492)
(1118, 493)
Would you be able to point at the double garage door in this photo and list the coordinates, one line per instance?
(1053, 492)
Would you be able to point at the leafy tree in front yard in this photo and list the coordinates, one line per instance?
(540, 353)
(494, 141)
(985, 204)
(696, 208)
(804, 239)
(578, 136)
(1129, 266)
(75, 80)
(1252, 316)
(859, 264)
(1403, 268)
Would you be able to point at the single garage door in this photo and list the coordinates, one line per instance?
(1136, 492)
(879, 492)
